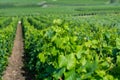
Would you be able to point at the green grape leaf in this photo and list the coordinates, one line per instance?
(118, 60)
(58, 73)
(100, 73)
(71, 75)
(118, 43)
(71, 61)
(83, 61)
(41, 57)
(62, 61)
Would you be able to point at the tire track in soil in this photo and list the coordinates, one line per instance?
(14, 69)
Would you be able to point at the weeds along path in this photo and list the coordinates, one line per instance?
(14, 69)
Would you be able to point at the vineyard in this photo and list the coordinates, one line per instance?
(64, 50)
(75, 40)
(7, 33)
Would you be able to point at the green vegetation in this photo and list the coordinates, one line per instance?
(64, 39)
(71, 7)
(6, 40)
(68, 51)
(82, 2)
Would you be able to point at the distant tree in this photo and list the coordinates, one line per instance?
(113, 1)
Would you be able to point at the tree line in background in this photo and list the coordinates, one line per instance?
(114, 1)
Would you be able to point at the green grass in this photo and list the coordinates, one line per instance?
(19, 1)
(62, 1)
(78, 1)
(56, 7)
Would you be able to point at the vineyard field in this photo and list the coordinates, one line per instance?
(63, 40)
(69, 51)
(7, 33)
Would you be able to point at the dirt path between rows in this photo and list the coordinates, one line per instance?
(14, 69)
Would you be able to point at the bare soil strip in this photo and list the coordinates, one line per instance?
(14, 69)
